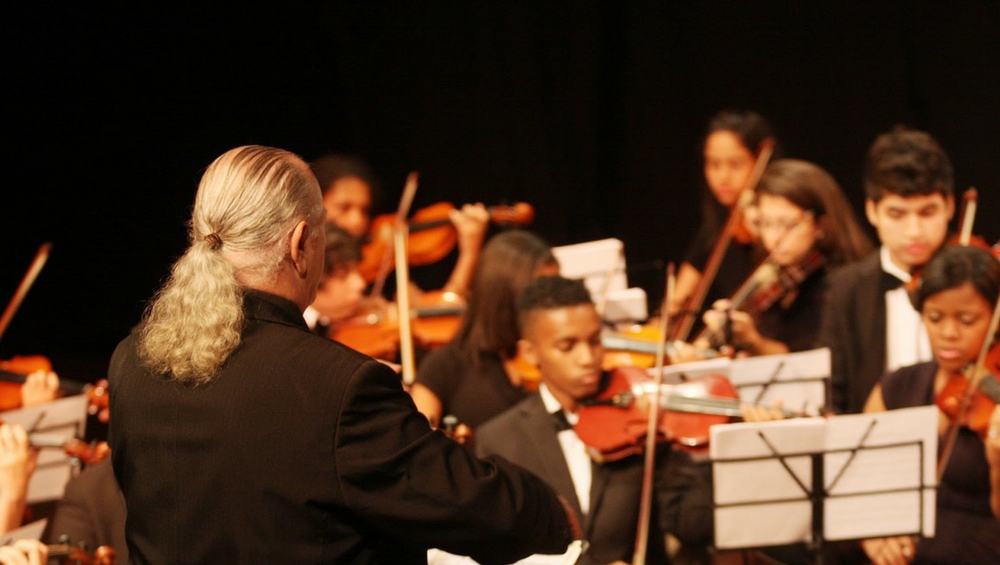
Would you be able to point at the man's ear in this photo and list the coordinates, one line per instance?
(526, 350)
(949, 201)
(871, 212)
(297, 247)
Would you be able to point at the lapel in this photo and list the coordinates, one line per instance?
(600, 475)
(873, 308)
(537, 423)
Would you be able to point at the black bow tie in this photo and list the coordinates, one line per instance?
(560, 422)
(890, 282)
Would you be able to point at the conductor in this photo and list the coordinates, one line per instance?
(238, 436)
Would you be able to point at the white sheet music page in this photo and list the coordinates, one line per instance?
(795, 380)
(888, 486)
(762, 499)
(64, 418)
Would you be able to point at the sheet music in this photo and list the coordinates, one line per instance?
(770, 504)
(797, 380)
(33, 530)
(64, 418)
(592, 261)
(878, 472)
(902, 456)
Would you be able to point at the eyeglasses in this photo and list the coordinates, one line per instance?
(782, 226)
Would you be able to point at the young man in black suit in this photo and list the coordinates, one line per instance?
(868, 322)
(561, 335)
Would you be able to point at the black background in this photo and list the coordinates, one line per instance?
(590, 111)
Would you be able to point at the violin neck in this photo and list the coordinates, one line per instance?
(438, 311)
(714, 406)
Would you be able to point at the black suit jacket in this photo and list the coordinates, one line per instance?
(304, 451)
(526, 435)
(854, 328)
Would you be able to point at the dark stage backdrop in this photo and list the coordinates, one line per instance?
(590, 111)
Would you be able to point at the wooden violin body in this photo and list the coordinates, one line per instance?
(980, 402)
(431, 237)
(614, 424)
(435, 319)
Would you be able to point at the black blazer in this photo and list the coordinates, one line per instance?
(304, 451)
(854, 328)
(526, 435)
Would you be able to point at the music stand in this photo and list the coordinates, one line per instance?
(52, 423)
(601, 265)
(798, 380)
(815, 480)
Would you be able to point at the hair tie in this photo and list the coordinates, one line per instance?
(214, 241)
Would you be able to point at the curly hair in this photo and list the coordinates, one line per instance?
(248, 201)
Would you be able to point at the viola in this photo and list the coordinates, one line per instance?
(431, 237)
(14, 372)
(613, 425)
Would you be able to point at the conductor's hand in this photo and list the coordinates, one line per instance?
(890, 551)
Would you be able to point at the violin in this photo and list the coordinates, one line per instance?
(14, 372)
(981, 399)
(968, 401)
(766, 286)
(86, 452)
(435, 320)
(431, 237)
(70, 554)
(613, 425)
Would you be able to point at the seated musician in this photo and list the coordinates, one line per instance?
(17, 463)
(474, 377)
(341, 287)
(807, 227)
(91, 511)
(24, 552)
(561, 335)
(956, 296)
(349, 186)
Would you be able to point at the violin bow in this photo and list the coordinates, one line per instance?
(29, 278)
(978, 374)
(399, 234)
(683, 327)
(969, 200)
(653, 418)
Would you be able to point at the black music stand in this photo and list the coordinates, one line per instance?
(814, 480)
